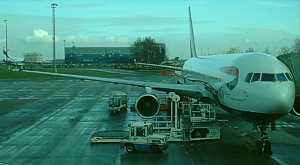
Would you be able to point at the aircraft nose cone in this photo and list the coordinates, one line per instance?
(283, 100)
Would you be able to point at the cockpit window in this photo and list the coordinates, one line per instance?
(289, 77)
(268, 77)
(255, 77)
(248, 77)
(281, 77)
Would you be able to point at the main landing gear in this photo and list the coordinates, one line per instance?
(263, 144)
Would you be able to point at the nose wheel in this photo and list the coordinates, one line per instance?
(263, 144)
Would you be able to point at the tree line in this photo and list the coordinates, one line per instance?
(283, 50)
(147, 50)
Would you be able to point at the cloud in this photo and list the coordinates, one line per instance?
(2, 40)
(117, 39)
(149, 20)
(97, 40)
(39, 35)
(79, 38)
(247, 40)
(86, 5)
(158, 30)
(133, 21)
(274, 3)
(261, 31)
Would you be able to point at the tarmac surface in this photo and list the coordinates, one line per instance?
(50, 122)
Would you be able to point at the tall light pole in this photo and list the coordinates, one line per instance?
(65, 48)
(53, 6)
(6, 48)
(6, 44)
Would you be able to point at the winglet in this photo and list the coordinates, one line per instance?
(192, 40)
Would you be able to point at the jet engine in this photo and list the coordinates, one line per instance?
(147, 106)
(295, 112)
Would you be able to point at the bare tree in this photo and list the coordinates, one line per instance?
(233, 50)
(148, 51)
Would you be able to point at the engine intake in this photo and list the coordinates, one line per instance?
(295, 112)
(147, 106)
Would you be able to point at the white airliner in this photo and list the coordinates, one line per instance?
(256, 86)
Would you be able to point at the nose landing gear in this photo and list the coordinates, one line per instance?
(263, 144)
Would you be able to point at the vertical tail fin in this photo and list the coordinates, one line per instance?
(192, 40)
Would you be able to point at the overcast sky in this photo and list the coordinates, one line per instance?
(218, 25)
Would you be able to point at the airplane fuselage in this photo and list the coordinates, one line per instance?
(257, 86)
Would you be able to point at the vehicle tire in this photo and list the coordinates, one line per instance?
(129, 147)
(123, 109)
(259, 146)
(268, 148)
(200, 133)
(155, 148)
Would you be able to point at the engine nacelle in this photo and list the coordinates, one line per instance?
(295, 112)
(147, 106)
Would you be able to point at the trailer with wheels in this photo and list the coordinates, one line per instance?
(142, 138)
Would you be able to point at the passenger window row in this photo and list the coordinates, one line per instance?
(252, 77)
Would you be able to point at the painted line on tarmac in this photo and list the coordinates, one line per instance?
(277, 160)
(3, 163)
(19, 98)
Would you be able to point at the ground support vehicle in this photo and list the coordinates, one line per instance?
(142, 138)
(117, 102)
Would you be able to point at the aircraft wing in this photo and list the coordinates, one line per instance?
(187, 90)
(161, 66)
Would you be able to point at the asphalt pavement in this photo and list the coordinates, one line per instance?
(50, 122)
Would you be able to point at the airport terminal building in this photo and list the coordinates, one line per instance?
(96, 55)
(32, 57)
